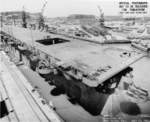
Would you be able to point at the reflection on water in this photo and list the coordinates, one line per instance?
(57, 91)
(130, 108)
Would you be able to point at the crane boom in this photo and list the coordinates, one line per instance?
(43, 8)
(41, 18)
(101, 17)
(100, 10)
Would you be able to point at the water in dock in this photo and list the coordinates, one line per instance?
(72, 113)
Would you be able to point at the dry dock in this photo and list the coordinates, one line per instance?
(87, 57)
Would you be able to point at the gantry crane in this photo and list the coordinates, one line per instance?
(43, 8)
(41, 18)
(101, 17)
(103, 30)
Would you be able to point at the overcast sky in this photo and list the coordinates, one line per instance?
(56, 8)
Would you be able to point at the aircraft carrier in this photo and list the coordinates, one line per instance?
(79, 78)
